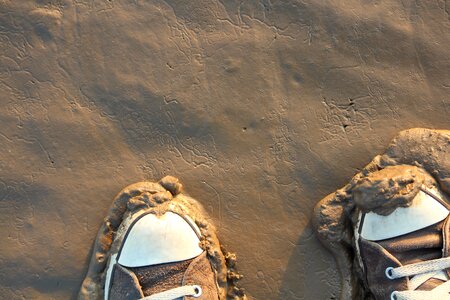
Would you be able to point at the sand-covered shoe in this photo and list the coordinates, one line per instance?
(336, 216)
(156, 243)
(402, 234)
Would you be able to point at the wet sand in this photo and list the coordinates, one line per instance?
(260, 109)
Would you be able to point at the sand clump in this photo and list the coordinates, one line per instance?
(385, 190)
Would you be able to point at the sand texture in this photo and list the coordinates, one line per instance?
(261, 109)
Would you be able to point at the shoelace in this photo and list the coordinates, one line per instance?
(422, 271)
(185, 290)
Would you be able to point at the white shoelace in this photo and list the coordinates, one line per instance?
(421, 271)
(185, 290)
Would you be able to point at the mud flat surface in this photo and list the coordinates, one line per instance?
(259, 108)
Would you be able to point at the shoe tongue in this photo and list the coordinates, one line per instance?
(432, 283)
(159, 278)
(421, 245)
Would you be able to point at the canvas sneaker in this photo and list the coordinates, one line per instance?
(161, 247)
(403, 251)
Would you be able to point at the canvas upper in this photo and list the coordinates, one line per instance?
(158, 254)
(404, 255)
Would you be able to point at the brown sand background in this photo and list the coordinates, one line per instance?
(260, 108)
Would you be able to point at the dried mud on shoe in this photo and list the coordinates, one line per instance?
(415, 157)
(159, 198)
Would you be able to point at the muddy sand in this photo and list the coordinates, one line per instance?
(261, 109)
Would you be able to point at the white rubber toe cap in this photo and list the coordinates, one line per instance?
(423, 212)
(162, 239)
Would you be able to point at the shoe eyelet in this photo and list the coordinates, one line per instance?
(198, 291)
(394, 295)
(388, 273)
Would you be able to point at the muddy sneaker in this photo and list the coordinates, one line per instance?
(402, 235)
(157, 244)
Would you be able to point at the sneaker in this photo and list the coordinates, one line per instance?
(402, 234)
(157, 244)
